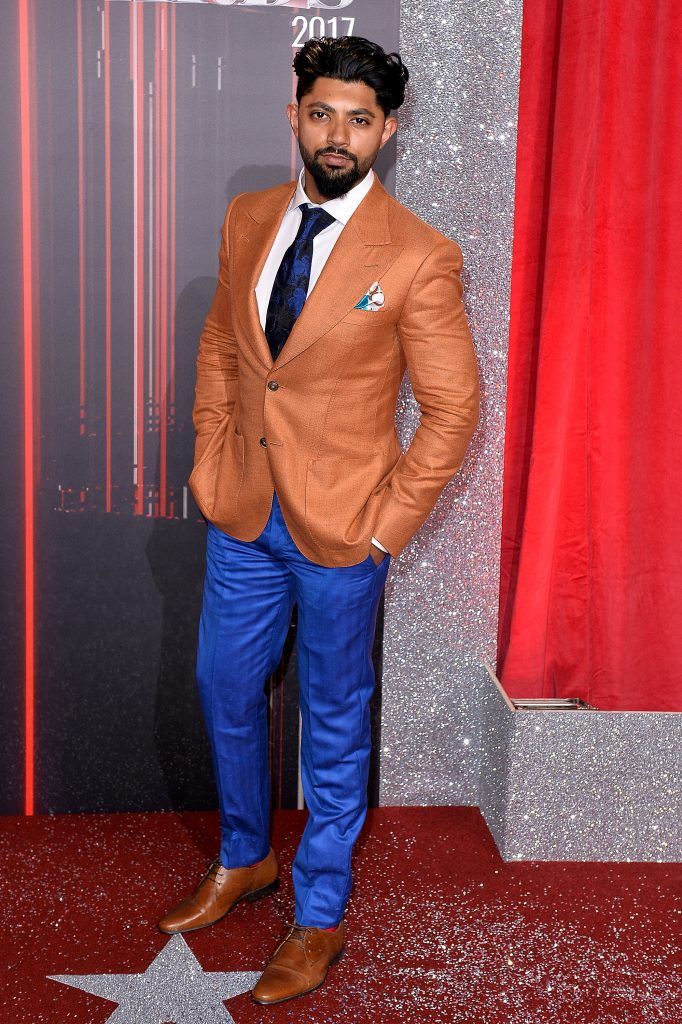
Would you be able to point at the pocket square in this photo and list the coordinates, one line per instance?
(373, 300)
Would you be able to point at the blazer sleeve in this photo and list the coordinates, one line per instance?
(216, 363)
(438, 348)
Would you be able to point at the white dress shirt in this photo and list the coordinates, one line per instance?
(323, 243)
(341, 210)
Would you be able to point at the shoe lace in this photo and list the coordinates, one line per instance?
(297, 933)
(212, 872)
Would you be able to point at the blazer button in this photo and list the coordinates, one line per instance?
(263, 442)
(273, 385)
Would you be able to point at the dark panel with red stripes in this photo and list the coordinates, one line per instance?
(126, 129)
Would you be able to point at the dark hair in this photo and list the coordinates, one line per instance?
(352, 59)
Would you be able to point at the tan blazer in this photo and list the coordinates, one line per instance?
(318, 425)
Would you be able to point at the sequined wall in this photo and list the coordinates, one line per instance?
(456, 153)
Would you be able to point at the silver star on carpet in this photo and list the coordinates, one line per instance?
(173, 988)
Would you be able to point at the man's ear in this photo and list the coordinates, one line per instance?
(292, 114)
(390, 128)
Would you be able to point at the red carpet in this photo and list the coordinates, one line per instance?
(440, 928)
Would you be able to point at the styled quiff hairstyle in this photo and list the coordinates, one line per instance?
(352, 59)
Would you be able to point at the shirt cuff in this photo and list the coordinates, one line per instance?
(375, 541)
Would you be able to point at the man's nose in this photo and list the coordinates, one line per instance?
(339, 134)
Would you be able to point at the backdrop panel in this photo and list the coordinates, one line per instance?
(127, 128)
(456, 167)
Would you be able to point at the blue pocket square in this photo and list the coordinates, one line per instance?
(373, 300)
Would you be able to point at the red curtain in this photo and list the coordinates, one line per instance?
(591, 575)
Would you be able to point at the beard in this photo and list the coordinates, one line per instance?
(333, 182)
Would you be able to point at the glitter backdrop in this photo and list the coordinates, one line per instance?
(456, 165)
(581, 786)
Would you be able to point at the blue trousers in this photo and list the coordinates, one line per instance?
(249, 593)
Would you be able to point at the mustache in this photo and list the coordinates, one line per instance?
(336, 152)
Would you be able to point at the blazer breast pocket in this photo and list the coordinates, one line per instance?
(363, 320)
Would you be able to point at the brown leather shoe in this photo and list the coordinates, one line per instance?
(219, 891)
(300, 963)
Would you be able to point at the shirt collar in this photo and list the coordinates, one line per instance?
(342, 208)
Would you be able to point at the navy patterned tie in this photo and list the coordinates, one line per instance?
(293, 277)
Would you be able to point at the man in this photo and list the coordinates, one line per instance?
(328, 288)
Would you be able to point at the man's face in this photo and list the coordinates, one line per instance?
(340, 129)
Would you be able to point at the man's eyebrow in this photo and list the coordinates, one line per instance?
(331, 110)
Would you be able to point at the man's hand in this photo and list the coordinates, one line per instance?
(377, 554)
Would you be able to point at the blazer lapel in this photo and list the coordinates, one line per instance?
(363, 252)
(364, 249)
(254, 240)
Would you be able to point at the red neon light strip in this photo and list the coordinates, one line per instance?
(172, 212)
(29, 510)
(81, 225)
(108, 260)
(163, 261)
(35, 270)
(156, 211)
(157, 228)
(294, 150)
(139, 298)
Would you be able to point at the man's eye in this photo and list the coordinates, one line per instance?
(361, 120)
(319, 113)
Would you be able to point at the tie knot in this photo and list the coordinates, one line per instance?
(313, 220)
